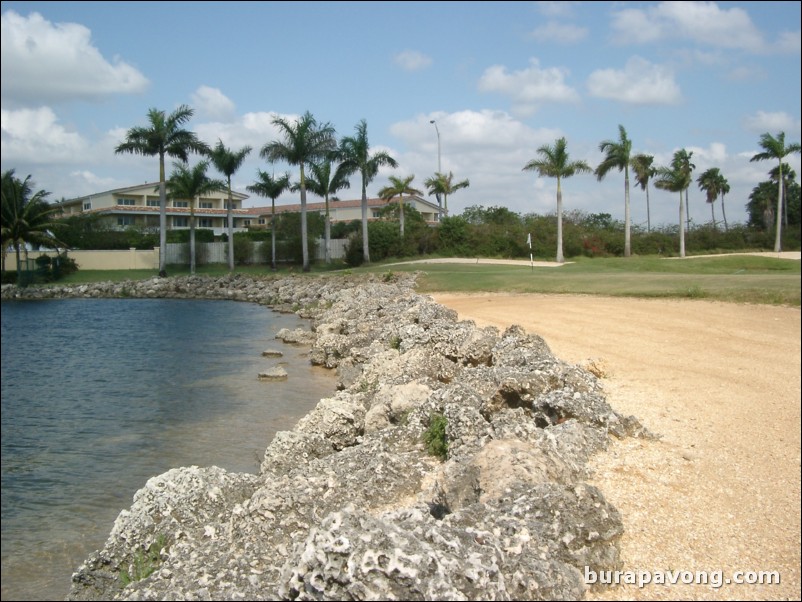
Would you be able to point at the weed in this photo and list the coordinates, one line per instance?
(395, 342)
(388, 277)
(435, 436)
(145, 562)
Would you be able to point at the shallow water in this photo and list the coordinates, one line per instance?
(98, 395)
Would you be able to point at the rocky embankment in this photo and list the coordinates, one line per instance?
(355, 502)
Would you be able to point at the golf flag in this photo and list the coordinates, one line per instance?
(529, 242)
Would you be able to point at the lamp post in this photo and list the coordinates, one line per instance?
(439, 166)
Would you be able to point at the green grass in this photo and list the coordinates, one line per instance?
(736, 278)
(741, 279)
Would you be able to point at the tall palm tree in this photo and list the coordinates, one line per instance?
(682, 160)
(163, 137)
(676, 179)
(724, 188)
(305, 141)
(775, 148)
(270, 187)
(644, 171)
(710, 182)
(553, 162)
(323, 183)
(25, 216)
(191, 183)
(354, 152)
(786, 176)
(228, 163)
(443, 185)
(618, 154)
(398, 188)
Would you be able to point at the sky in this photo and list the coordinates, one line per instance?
(500, 80)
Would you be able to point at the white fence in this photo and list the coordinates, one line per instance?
(217, 252)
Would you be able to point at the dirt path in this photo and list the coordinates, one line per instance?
(721, 383)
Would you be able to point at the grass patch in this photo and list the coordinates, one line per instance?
(145, 562)
(435, 436)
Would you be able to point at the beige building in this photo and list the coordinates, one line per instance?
(347, 211)
(138, 206)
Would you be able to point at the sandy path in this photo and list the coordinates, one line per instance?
(721, 383)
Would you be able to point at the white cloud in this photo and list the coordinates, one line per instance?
(702, 22)
(44, 62)
(640, 82)
(412, 60)
(212, 103)
(790, 42)
(764, 121)
(559, 33)
(35, 136)
(556, 8)
(528, 88)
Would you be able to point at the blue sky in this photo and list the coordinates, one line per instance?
(501, 79)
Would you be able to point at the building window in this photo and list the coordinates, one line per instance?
(206, 205)
(262, 221)
(233, 205)
(128, 202)
(180, 222)
(206, 222)
(375, 213)
(87, 205)
(125, 220)
(246, 222)
(153, 203)
(180, 203)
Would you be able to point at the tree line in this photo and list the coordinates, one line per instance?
(325, 166)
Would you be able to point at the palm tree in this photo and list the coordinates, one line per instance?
(786, 175)
(305, 141)
(682, 159)
(26, 216)
(323, 183)
(354, 152)
(618, 155)
(398, 188)
(676, 179)
(710, 182)
(228, 163)
(272, 188)
(443, 185)
(164, 136)
(775, 148)
(553, 162)
(724, 188)
(642, 166)
(191, 183)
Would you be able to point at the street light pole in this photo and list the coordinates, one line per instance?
(436, 129)
(439, 166)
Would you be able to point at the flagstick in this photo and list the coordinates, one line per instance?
(531, 259)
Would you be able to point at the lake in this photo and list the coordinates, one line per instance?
(98, 395)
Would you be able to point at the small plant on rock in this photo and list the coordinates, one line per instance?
(435, 436)
(145, 562)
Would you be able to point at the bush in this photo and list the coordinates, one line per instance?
(435, 436)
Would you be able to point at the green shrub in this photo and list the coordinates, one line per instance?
(145, 562)
(435, 436)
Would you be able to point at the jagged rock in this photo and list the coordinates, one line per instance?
(274, 373)
(272, 353)
(350, 503)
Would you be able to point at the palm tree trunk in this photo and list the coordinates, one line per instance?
(304, 234)
(560, 257)
(401, 210)
(723, 213)
(365, 245)
(273, 232)
(778, 217)
(162, 219)
(648, 212)
(327, 253)
(681, 226)
(627, 238)
(688, 209)
(192, 237)
(230, 217)
(713, 213)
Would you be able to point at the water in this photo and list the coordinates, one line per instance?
(98, 395)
